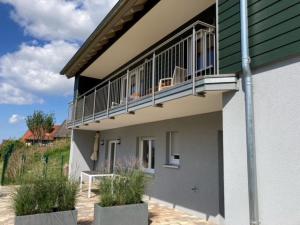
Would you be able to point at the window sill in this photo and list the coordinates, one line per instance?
(149, 171)
(171, 166)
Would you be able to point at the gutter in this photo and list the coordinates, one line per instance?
(249, 110)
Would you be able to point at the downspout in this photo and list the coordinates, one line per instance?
(249, 110)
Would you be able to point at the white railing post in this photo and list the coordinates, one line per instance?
(127, 89)
(194, 60)
(153, 79)
(108, 99)
(94, 106)
(83, 107)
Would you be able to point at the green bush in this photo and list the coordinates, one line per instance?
(126, 187)
(44, 194)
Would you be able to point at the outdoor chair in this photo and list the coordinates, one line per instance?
(178, 77)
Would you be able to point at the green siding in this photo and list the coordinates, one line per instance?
(274, 32)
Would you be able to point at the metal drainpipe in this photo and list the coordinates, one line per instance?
(249, 109)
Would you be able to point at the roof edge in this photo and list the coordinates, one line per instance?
(120, 4)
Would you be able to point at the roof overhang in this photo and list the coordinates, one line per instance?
(131, 28)
(122, 16)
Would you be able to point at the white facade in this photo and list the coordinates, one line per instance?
(277, 123)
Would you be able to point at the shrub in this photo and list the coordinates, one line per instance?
(44, 194)
(126, 187)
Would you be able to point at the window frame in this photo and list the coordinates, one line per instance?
(148, 169)
(171, 157)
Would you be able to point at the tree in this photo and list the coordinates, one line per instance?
(40, 123)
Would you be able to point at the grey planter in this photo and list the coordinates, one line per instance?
(135, 214)
(55, 218)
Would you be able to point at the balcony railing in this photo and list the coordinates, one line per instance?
(183, 58)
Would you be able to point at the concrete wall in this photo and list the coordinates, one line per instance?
(277, 121)
(82, 144)
(198, 163)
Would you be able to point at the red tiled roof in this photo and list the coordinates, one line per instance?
(48, 136)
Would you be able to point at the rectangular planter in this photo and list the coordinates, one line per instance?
(134, 214)
(55, 218)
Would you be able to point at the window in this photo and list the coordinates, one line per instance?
(173, 156)
(147, 154)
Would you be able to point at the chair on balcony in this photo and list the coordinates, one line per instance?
(179, 76)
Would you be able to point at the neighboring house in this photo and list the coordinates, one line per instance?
(58, 132)
(162, 81)
(63, 132)
(49, 137)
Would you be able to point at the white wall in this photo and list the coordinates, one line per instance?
(235, 160)
(82, 144)
(277, 121)
(198, 148)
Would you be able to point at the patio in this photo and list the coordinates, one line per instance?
(158, 214)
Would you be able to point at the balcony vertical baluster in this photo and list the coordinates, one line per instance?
(153, 78)
(108, 99)
(94, 104)
(75, 111)
(204, 51)
(215, 53)
(83, 106)
(194, 59)
(127, 89)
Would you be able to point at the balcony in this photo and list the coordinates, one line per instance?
(183, 65)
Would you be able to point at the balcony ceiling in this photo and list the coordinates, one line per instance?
(187, 106)
(161, 20)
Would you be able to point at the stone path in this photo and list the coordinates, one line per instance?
(158, 214)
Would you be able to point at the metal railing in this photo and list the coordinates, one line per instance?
(189, 54)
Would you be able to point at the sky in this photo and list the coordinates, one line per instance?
(37, 38)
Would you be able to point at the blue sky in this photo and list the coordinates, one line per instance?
(35, 45)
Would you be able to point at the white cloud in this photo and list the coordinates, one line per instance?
(36, 68)
(32, 72)
(14, 95)
(15, 118)
(59, 19)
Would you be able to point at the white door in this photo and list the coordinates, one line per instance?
(112, 151)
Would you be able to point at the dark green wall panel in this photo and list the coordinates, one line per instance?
(274, 27)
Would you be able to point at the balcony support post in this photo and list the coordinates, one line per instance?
(194, 60)
(83, 107)
(127, 89)
(153, 79)
(108, 99)
(94, 104)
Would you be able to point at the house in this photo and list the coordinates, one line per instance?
(29, 138)
(169, 82)
(58, 132)
(63, 132)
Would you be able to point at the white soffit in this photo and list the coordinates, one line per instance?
(182, 107)
(161, 20)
